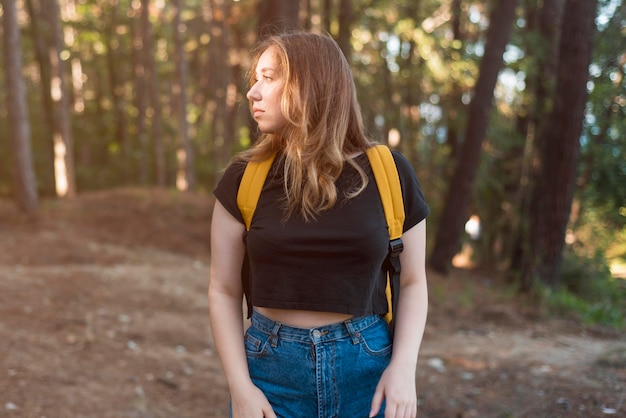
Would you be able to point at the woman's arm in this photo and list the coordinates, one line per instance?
(397, 384)
(225, 313)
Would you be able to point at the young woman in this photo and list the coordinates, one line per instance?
(318, 345)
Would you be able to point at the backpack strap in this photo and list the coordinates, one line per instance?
(250, 187)
(248, 195)
(388, 183)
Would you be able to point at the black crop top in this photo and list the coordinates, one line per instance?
(333, 263)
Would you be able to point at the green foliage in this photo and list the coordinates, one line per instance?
(603, 159)
(588, 291)
(414, 75)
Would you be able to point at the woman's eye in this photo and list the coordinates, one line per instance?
(266, 78)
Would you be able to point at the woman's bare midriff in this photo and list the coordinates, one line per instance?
(302, 319)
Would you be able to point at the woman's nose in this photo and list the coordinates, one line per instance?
(253, 94)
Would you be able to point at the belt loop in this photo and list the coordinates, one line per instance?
(274, 336)
(353, 334)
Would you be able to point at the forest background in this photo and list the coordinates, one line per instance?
(511, 111)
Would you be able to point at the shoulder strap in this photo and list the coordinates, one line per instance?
(388, 183)
(250, 187)
(248, 194)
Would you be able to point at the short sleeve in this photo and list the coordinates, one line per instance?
(227, 187)
(415, 207)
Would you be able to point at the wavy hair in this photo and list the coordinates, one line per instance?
(324, 126)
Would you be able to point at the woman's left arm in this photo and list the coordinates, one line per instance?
(397, 384)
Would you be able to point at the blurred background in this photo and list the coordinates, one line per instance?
(117, 117)
(511, 111)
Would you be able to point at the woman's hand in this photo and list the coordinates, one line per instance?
(397, 387)
(250, 402)
(225, 299)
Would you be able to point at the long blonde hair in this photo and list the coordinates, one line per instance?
(324, 125)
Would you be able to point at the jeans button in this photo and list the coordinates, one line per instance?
(317, 333)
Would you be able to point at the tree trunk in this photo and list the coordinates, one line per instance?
(411, 91)
(40, 33)
(233, 75)
(64, 175)
(141, 59)
(185, 179)
(149, 122)
(277, 16)
(454, 98)
(24, 179)
(307, 24)
(327, 15)
(540, 84)
(68, 14)
(345, 27)
(219, 84)
(117, 89)
(456, 207)
(151, 84)
(553, 182)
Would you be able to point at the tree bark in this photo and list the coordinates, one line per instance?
(24, 179)
(327, 15)
(63, 143)
(141, 69)
(40, 33)
(553, 181)
(454, 98)
(540, 85)
(277, 16)
(345, 27)
(152, 74)
(68, 14)
(457, 204)
(221, 130)
(117, 89)
(185, 179)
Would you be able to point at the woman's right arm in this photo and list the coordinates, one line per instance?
(225, 314)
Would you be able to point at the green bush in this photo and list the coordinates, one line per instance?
(588, 290)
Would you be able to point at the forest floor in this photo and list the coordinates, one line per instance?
(103, 313)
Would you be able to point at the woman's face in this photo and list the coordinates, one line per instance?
(266, 93)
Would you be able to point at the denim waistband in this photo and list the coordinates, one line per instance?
(349, 328)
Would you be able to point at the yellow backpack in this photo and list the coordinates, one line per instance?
(388, 183)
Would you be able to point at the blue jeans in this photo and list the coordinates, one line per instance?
(326, 372)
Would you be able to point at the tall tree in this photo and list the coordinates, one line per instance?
(553, 180)
(327, 15)
(543, 20)
(116, 81)
(152, 85)
(40, 34)
(69, 15)
(141, 69)
(64, 174)
(345, 27)
(457, 203)
(185, 179)
(454, 98)
(24, 179)
(276, 16)
(218, 81)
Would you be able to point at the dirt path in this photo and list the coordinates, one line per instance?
(103, 313)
